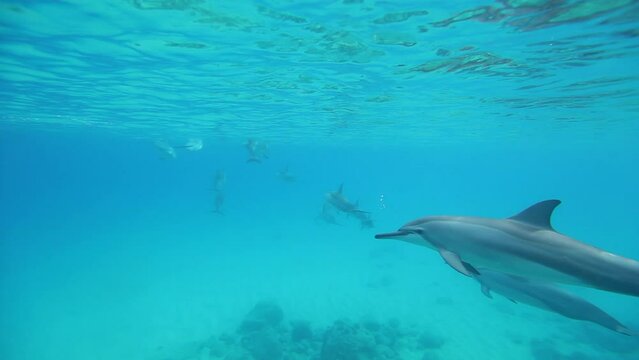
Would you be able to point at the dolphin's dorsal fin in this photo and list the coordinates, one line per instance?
(339, 190)
(539, 214)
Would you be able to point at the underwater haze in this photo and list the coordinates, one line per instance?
(204, 180)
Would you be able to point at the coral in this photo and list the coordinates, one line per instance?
(263, 335)
(264, 314)
(428, 340)
(347, 341)
(264, 344)
(301, 331)
(260, 331)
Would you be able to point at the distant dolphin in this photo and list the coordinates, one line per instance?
(192, 145)
(219, 203)
(218, 187)
(220, 181)
(364, 219)
(546, 297)
(167, 150)
(327, 215)
(525, 245)
(257, 150)
(340, 202)
(285, 175)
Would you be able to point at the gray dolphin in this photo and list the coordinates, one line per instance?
(192, 145)
(341, 203)
(257, 150)
(327, 215)
(220, 181)
(218, 188)
(546, 297)
(285, 175)
(525, 245)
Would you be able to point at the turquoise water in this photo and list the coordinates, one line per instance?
(110, 243)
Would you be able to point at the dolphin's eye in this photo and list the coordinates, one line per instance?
(413, 230)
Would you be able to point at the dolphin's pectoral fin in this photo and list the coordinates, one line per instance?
(471, 268)
(539, 214)
(456, 263)
(486, 291)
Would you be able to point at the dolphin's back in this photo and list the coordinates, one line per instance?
(581, 263)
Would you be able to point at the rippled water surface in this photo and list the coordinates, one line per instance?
(307, 70)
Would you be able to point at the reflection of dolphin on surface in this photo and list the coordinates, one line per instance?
(525, 245)
(168, 152)
(192, 145)
(257, 150)
(546, 297)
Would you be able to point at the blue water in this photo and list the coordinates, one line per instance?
(110, 247)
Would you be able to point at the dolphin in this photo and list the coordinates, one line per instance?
(285, 175)
(168, 152)
(327, 215)
(257, 150)
(218, 188)
(365, 219)
(524, 245)
(220, 181)
(546, 297)
(341, 203)
(219, 203)
(192, 145)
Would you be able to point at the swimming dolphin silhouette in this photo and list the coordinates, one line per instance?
(168, 152)
(285, 175)
(220, 181)
(327, 215)
(341, 203)
(546, 297)
(192, 145)
(218, 188)
(219, 203)
(257, 150)
(525, 245)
